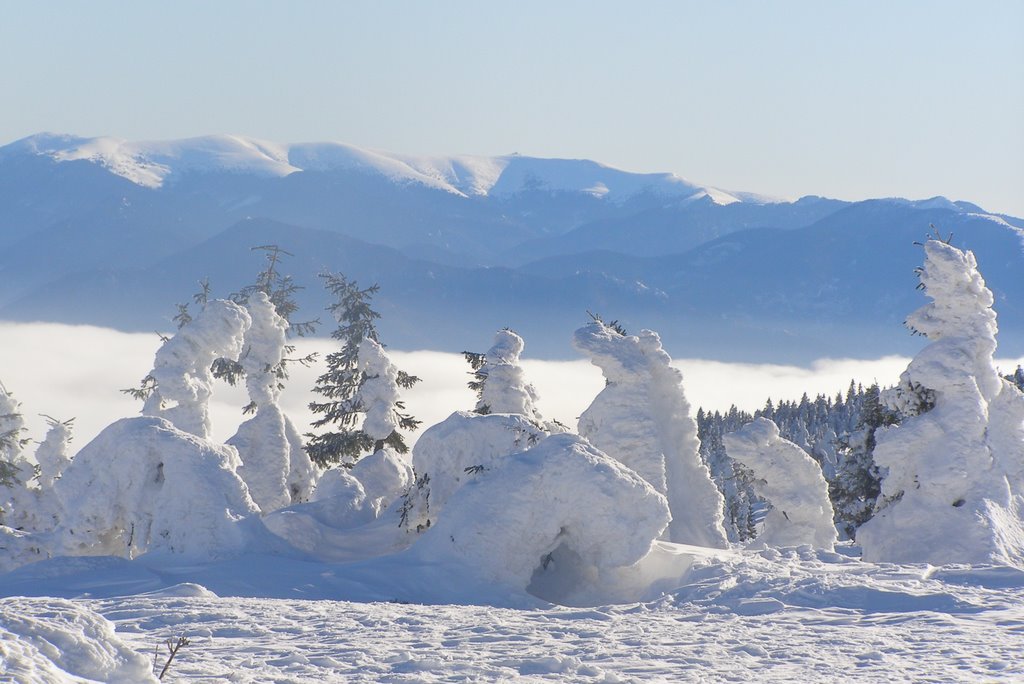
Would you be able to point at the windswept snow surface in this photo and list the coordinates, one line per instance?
(775, 616)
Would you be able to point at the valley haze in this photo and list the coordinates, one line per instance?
(114, 233)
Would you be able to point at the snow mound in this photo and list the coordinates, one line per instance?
(791, 481)
(143, 485)
(55, 641)
(951, 487)
(561, 507)
(642, 419)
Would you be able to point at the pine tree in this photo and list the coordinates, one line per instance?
(360, 361)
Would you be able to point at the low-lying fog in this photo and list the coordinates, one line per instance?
(77, 371)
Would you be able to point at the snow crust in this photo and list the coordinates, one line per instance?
(642, 419)
(792, 483)
(144, 485)
(951, 473)
(184, 381)
(561, 497)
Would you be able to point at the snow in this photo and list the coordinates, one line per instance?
(505, 388)
(55, 641)
(790, 481)
(642, 419)
(773, 616)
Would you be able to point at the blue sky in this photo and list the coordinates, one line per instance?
(845, 99)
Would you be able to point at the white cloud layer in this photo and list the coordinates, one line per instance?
(77, 371)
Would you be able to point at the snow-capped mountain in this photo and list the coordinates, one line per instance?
(105, 231)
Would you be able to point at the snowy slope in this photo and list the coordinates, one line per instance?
(153, 164)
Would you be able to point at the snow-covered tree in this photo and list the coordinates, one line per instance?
(360, 382)
(951, 472)
(16, 501)
(500, 381)
(275, 465)
(181, 382)
(790, 481)
(53, 453)
(642, 419)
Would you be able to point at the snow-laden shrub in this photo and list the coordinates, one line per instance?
(144, 485)
(642, 419)
(384, 476)
(951, 472)
(505, 389)
(790, 481)
(446, 455)
(182, 369)
(274, 465)
(561, 499)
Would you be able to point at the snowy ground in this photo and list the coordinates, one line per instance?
(791, 615)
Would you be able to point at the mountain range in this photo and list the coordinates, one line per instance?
(115, 233)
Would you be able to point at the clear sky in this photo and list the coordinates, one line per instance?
(844, 99)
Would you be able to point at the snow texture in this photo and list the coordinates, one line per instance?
(184, 381)
(505, 388)
(54, 641)
(447, 452)
(561, 497)
(790, 481)
(275, 467)
(951, 487)
(642, 419)
(144, 485)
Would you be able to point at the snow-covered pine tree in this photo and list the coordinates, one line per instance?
(952, 471)
(12, 439)
(360, 381)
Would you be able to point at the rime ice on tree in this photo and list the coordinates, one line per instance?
(181, 371)
(790, 480)
(951, 487)
(642, 419)
(505, 389)
(274, 465)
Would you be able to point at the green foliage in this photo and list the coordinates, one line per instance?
(340, 383)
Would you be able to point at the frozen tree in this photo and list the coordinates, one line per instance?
(642, 419)
(144, 485)
(17, 499)
(951, 472)
(790, 481)
(181, 382)
(274, 464)
(501, 382)
(360, 382)
(52, 455)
